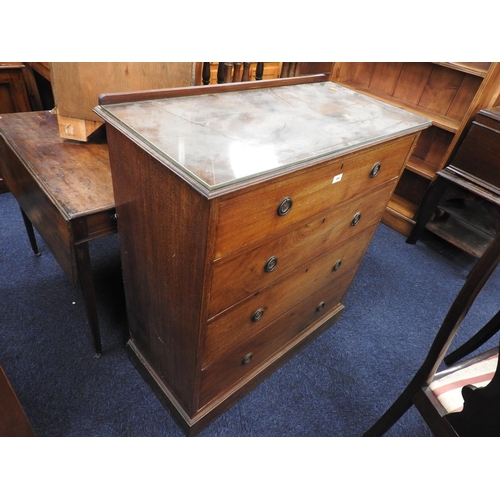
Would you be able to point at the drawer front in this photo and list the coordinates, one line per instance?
(255, 214)
(247, 357)
(252, 315)
(236, 279)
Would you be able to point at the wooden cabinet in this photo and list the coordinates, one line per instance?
(244, 212)
(448, 94)
(462, 205)
(13, 95)
(77, 85)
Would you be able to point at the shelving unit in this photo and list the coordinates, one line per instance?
(448, 93)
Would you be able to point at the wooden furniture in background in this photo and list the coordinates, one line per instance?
(13, 420)
(449, 94)
(243, 215)
(74, 87)
(38, 78)
(462, 205)
(13, 96)
(13, 93)
(211, 73)
(214, 72)
(77, 85)
(64, 190)
(478, 379)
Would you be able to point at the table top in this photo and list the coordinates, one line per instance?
(75, 175)
(220, 139)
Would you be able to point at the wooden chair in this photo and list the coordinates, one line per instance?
(228, 72)
(474, 384)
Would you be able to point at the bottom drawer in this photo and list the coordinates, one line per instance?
(247, 357)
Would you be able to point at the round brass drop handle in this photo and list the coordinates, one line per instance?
(285, 206)
(247, 359)
(375, 170)
(271, 264)
(257, 315)
(356, 219)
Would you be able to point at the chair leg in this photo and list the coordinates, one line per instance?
(397, 409)
(476, 341)
(31, 233)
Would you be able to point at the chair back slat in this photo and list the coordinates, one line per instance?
(231, 72)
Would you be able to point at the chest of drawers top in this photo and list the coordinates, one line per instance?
(232, 136)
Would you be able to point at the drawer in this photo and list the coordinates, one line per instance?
(249, 356)
(255, 214)
(236, 279)
(252, 315)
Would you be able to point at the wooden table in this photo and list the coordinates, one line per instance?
(64, 190)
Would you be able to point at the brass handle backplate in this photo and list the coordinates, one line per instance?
(336, 265)
(320, 306)
(247, 359)
(375, 169)
(271, 264)
(285, 206)
(257, 315)
(356, 219)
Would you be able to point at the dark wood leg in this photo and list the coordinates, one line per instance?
(428, 206)
(476, 341)
(87, 287)
(475, 282)
(31, 233)
(396, 411)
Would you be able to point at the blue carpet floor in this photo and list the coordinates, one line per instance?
(337, 387)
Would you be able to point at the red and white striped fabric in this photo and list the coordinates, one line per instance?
(448, 389)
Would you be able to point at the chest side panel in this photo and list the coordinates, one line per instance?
(163, 227)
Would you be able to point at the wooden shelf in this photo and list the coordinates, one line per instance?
(449, 94)
(438, 120)
(403, 206)
(477, 69)
(394, 219)
(421, 167)
(460, 234)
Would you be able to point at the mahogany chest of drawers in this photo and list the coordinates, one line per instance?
(244, 211)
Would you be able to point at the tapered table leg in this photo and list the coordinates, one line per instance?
(31, 233)
(87, 287)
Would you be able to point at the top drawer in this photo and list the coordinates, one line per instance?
(257, 213)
